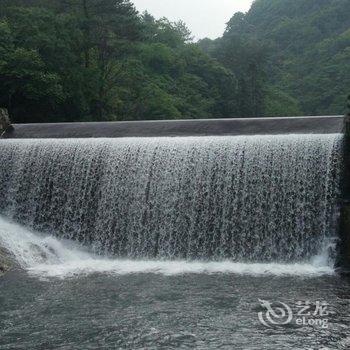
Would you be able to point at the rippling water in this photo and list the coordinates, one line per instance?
(63, 297)
(150, 311)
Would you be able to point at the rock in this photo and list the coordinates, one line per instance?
(6, 262)
(344, 256)
(5, 123)
(345, 235)
(39, 252)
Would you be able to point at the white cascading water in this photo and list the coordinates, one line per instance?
(238, 202)
(46, 256)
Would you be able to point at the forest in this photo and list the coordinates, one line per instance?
(95, 60)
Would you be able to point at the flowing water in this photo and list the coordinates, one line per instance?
(168, 243)
(256, 198)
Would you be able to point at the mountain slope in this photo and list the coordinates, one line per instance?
(307, 48)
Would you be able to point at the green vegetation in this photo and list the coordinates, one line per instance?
(302, 55)
(83, 60)
(100, 60)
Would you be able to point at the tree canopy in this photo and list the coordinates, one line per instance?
(302, 55)
(94, 60)
(101, 60)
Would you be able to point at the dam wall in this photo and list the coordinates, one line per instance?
(211, 127)
(344, 256)
(130, 197)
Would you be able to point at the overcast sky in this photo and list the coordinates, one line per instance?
(205, 18)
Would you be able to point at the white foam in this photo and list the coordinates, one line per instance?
(169, 268)
(44, 256)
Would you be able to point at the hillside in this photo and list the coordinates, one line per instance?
(302, 53)
(94, 60)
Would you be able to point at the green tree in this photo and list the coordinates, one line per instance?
(101, 60)
(307, 42)
(24, 78)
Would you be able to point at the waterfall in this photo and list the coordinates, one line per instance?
(243, 199)
(46, 256)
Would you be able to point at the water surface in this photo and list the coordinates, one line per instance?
(153, 311)
(64, 297)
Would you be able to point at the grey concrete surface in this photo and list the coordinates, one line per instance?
(214, 127)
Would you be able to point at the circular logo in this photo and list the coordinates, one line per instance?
(276, 314)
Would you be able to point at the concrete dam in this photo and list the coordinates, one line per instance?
(263, 190)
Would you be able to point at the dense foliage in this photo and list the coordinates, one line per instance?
(70, 60)
(302, 61)
(100, 60)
